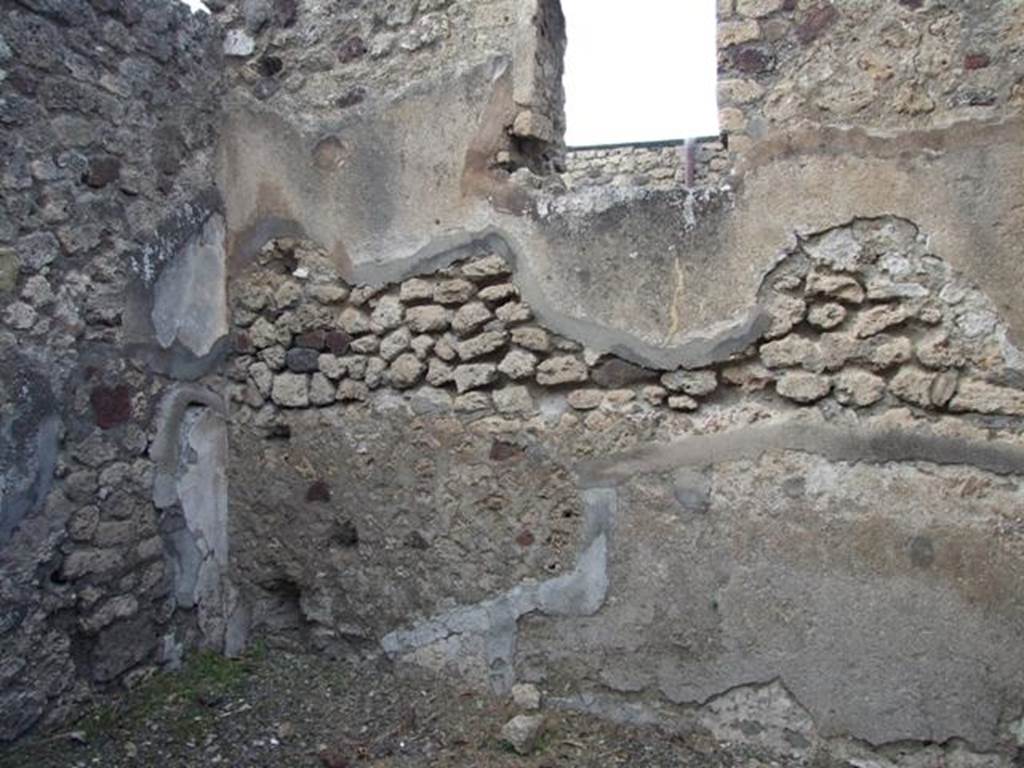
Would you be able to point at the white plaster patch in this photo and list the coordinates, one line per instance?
(190, 296)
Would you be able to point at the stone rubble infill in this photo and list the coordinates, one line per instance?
(907, 339)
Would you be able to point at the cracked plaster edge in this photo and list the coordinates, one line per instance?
(166, 448)
(581, 592)
(700, 348)
(642, 708)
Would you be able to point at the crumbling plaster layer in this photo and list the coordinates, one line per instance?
(665, 252)
(855, 555)
(581, 592)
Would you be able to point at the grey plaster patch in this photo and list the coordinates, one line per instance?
(202, 490)
(764, 713)
(836, 443)
(867, 563)
(190, 296)
(190, 452)
(489, 629)
(166, 447)
(29, 437)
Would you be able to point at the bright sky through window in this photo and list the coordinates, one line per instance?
(639, 71)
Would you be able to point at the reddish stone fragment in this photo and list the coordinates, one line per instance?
(337, 342)
(111, 405)
(817, 21)
(752, 61)
(101, 171)
(243, 344)
(311, 340)
(525, 538)
(976, 61)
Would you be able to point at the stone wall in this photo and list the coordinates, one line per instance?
(461, 482)
(786, 63)
(107, 126)
(661, 167)
(307, 339)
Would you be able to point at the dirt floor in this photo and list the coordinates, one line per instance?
(283, 709)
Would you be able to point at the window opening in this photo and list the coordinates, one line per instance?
(640, 72)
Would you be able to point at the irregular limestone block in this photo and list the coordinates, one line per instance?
(416, 289)
(978, 396)
(522, 732)
(888, 351)
(859, 388)
(735, 32)
(585, 399)
(789, 352)
(395, 343)
(841, 287)
(444, 348)
(654, 394)
(474, 376)
(350, 390)
(695, 383)
(321, 390)
(873, 321)
(802, 386)
(785, 312)
(427, 318)
(561, 369)
(353, 321)
(328, 294)
(518, 364)
(482, 344)
(421, 345)
(454, 291)
(913, 385)
(513, 400)
(532, 337)
(526, 696)
(366, 345)
(943, 388)
(756, 9)
(513, 312)
(486, 267)
(937, 350)
(439, 373)
(405, 371)
(750, 376)
(387, 314)
(374, 375)
(826, 316)
(470, 317)
(291, 390)
(472, 402)
(682, 403)
(500, 292)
